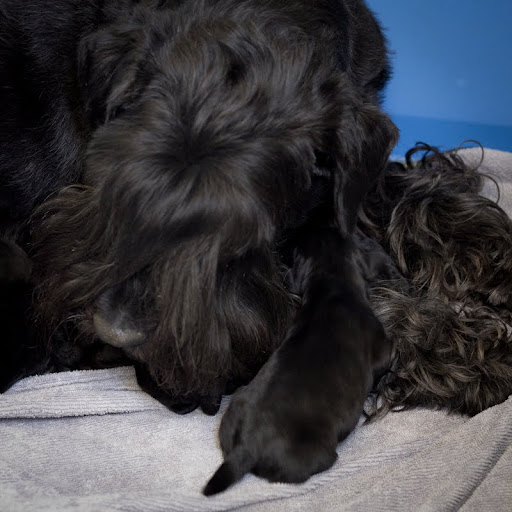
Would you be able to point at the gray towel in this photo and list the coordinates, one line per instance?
(497, 165)
(93, 441)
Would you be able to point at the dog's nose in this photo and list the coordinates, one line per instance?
(117, 335)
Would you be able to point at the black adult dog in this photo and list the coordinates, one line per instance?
(210, 158)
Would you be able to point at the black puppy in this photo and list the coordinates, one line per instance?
(285, 425)
(187, 136)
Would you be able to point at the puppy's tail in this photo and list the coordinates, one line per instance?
(237, 464)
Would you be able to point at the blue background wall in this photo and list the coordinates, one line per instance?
(452, 76)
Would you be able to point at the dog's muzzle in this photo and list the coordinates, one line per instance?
(117, 335)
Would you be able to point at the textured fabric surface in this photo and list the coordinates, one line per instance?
(74, 447)
(498, 166)
(93, 441)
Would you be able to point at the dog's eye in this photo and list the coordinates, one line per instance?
(323, 162)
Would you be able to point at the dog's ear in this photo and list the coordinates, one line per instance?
(111, 69)
(365, 139)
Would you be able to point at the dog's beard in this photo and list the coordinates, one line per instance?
(208, 321)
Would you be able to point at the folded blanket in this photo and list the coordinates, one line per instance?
(93, 441)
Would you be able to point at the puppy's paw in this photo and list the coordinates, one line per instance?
(273, 436)
(285, 425)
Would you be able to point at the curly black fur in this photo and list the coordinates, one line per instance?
(451, 323)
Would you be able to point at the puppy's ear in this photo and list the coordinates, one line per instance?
(365, 139)
(110, 69)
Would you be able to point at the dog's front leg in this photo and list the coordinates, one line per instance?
(286, 424)
(21, 353)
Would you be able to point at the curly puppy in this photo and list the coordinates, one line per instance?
(452, 324)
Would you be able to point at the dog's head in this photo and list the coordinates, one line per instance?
(205, 134)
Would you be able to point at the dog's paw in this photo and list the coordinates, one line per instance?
(180, 404)
(209, 404)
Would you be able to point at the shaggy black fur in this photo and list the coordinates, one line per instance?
(451, 322)
(199, 142)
